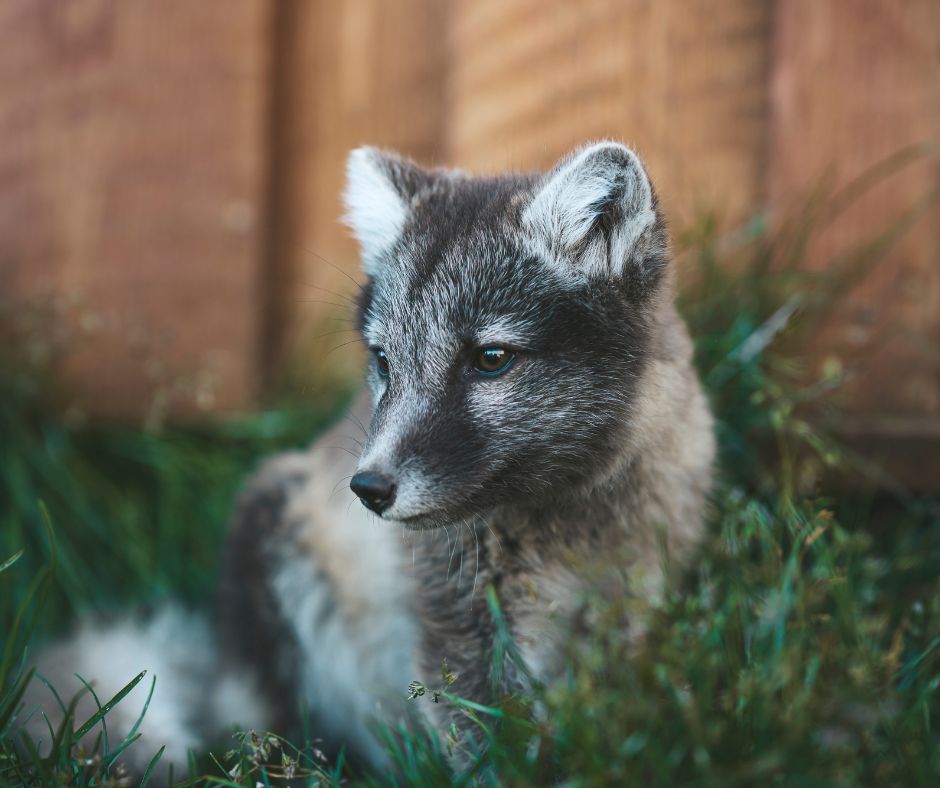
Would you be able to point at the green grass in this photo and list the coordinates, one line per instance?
(803, 647)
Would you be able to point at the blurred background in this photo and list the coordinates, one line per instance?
(170, 173)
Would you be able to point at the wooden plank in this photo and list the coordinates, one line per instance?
(685, 83)
(856, 81)
(132, 178)
(353, 72)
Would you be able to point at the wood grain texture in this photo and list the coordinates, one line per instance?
(132, 178)
(684, 83)
(855, 82)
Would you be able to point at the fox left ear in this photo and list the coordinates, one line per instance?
(380, 187)
(595, 211)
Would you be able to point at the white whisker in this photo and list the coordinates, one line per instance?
(476, 570)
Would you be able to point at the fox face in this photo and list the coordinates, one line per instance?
(509, 321)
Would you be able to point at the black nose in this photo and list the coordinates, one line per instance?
(374, 489)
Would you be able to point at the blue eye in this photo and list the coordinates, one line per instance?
(381, 363)
(493, 361)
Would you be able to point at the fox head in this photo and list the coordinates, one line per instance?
(509, 321)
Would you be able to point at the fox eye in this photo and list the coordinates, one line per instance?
(493, 361)
(381, 362)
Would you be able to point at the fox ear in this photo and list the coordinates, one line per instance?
(595, 211)
(379, 190)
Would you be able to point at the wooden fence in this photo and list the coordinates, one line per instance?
(176, 166)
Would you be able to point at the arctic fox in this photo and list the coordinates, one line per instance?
(531, 414)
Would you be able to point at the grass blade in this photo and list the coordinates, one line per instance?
(132, 734)
(103, 710)
(12, 559)
(151, 766)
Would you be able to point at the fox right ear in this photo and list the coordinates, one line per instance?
(379, 190)
(595, 212)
